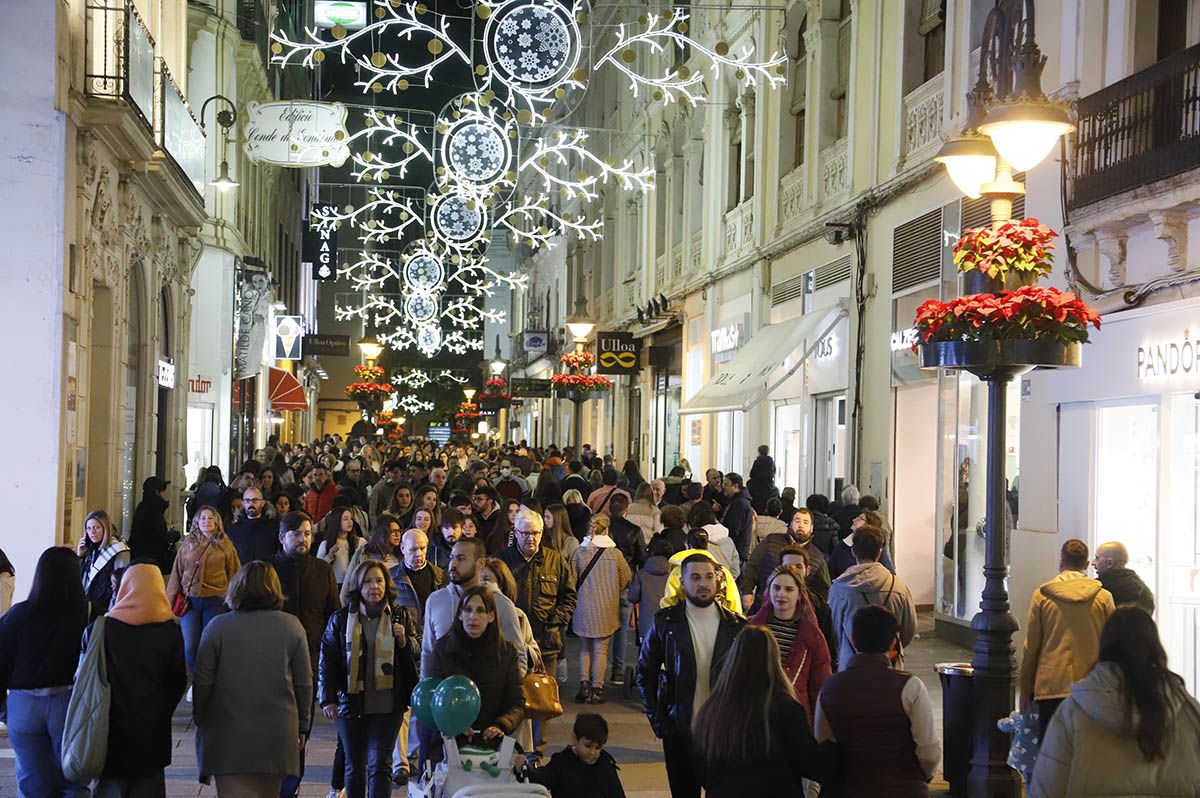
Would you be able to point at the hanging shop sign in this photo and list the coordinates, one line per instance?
(166, 373)
(536, 342)
(617, 353)
(534, 389)
(350, 14)
(321, 245)
(297, 133)
(326, 345)
(288, 333)
(254, 303)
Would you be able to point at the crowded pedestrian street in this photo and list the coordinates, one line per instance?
(599, 398)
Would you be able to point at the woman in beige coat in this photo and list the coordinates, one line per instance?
(645, 513)
(601, 576)
(1129, 728)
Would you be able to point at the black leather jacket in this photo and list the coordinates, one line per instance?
(335, 662)
(546, 593)
(666, 669)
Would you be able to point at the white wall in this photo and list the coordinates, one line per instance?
(914, 514)
(32, 180)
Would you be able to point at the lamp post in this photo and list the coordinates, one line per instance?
(226, 120)
(580, 328)
(1010, 124)
(371, 349)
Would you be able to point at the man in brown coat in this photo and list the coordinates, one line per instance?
(1062, 643)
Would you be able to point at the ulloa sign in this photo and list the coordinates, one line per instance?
(617, 353)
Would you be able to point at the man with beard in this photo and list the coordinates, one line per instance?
(318, 501)
(310, 593)
(440, 610)
(680, 661)
(254, 535)
(766, 557)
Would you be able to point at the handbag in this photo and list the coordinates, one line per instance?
(181, 604)
(541, 696)
(85, 729)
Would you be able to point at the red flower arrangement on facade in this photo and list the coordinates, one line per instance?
(1029, 313)
(580, 382)
(578, 359)
(495, 388)
(1019, 244)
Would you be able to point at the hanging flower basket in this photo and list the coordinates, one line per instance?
(576, 386)
(495, 394)
(578, 360)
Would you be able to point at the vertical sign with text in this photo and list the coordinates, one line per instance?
(320, 245)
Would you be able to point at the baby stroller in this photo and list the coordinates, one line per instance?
(474, 772)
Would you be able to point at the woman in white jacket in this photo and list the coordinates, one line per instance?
(645, 513)
(1129, 728)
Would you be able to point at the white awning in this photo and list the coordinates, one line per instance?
(763, 363)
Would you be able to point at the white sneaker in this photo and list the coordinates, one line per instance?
(336, 793)
(188, 697)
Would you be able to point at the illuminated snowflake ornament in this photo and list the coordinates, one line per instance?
(459, 219)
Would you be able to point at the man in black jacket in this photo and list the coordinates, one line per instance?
(1113, 571)
(149, 538)
(254, 535)
(545, 591)
(632, 543)
(739, 516)
(849, 510)
(576, 481)
(680, 661)
(310, 593)
(825, 529)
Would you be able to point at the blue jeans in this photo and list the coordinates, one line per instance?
(201, 613)
(620, 641)
(35, 729)
(368, 741)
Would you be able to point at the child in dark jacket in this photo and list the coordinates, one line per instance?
(583, 769)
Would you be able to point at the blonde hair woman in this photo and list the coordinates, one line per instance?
(601, 578)
(101, 552)
(204, 566)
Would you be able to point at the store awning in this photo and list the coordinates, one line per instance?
(284, 392)
(763, 363)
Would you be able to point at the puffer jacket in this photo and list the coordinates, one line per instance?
(666, 669)
(332, 671)
(870, 583)
(646, 516)
(725, 549)
(214, 574)
(1088, 751)
(545, 591)
(826, 532)
(1127, 587)
(1062, 642)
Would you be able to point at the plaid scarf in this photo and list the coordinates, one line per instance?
(385, 649)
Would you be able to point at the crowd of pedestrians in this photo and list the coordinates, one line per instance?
(766, 640)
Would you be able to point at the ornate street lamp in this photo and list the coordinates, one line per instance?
(226, 120)
(498, 364)
(371, 349)
(580, 327)
(1010, 124)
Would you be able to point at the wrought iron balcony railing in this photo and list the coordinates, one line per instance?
(1139, 130)
(120, 60)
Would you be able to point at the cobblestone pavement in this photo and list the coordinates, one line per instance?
(630, 739)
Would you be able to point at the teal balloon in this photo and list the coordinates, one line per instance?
(422, 702)
(455, 705)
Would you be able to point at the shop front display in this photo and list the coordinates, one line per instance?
(1137, 420)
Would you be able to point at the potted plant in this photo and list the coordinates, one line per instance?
(1005, 255)
(578, 386)
(1031, 326)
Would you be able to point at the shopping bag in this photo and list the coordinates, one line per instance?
(85, 731)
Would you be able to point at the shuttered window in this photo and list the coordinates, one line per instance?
(917, 251)
(832, 273)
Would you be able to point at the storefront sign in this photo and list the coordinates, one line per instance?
(327, 345)
(726, 340)
(617, 353)
(297, 133)
(1173, 357)
(904, 339)
(350, 14)
(166, 373)
(321, 247)
(534, 389)
(826, 348)
(199, 384)
(288, 330)
(536, 342)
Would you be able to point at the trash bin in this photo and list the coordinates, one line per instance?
(957, 731)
